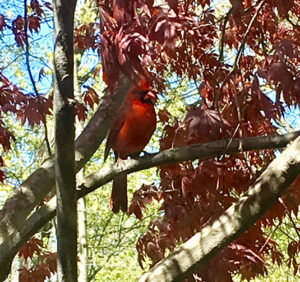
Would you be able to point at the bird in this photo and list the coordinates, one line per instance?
(131, 131)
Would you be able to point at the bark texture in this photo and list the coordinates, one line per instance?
(41, 181)
(64, 113)
(201, 151)
(197, 251)
(17, 227)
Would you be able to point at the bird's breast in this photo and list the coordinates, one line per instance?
(138, 127)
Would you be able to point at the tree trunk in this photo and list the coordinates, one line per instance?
(64, 110)
(16, 228)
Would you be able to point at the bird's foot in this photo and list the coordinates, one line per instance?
(120, 163)
(139, 154)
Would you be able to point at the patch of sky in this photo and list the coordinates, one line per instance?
(41, 45)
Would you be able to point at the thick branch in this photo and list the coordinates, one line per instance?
(40, 182)
(196, 252)
(214, 149)
(191, 152)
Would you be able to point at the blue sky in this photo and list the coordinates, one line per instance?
(12, 58)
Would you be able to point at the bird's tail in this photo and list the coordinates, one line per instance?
(118, 199)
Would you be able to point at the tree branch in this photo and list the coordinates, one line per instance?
(222, 42)
(242, 46)
(40, 182)
(214, 149)
(180, 154)
(197, 251)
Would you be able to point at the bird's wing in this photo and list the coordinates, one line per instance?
(114, 131)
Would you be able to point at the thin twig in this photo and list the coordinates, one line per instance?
(243, 43)
(286, 234)
(294, 224)
(226, 19)
(270, 236)
(32, 80)
(290, 216)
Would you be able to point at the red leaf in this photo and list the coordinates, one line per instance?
(49, 6)
(51, 261)
(81, 111)
(91, 97)
(5, 138)
(204, 125)
(31, 247)
(122, 9)
(2, 22)
(284, 6)
(173, 5)
(164, 30)
(141, 197)
(163, 115)
(35, 6)
(18, 23)
(34, 23)
(25, 275)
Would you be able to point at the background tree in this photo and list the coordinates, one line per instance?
(233, 72)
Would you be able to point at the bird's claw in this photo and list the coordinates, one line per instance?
(137, 155)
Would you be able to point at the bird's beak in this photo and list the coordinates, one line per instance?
(151, 95)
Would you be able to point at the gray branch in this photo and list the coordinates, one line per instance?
(197, 251)
(191, 152)
(200, 151)
(41, 181)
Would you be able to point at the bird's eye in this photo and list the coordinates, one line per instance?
(143, 93)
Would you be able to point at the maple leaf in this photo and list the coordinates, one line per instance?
(164, 30)
(25, 275)
(90, 97)
(35, 6)
(5, 138)
(51, 261)
(85, 37)
(30, 248)
(173, 5)
(18, 23)
(81, 111)
(141, 198)
(164, 115)
(2, 22)
(34, 23)
(120, 9)
(204, 125)
(284, 6)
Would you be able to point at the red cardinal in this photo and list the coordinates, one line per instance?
(130, 133)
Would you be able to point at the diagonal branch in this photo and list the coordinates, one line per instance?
(197, 251)
(197, 151)
(222, 42)
(40, 182)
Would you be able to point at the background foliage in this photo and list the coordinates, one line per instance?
(224, 69)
